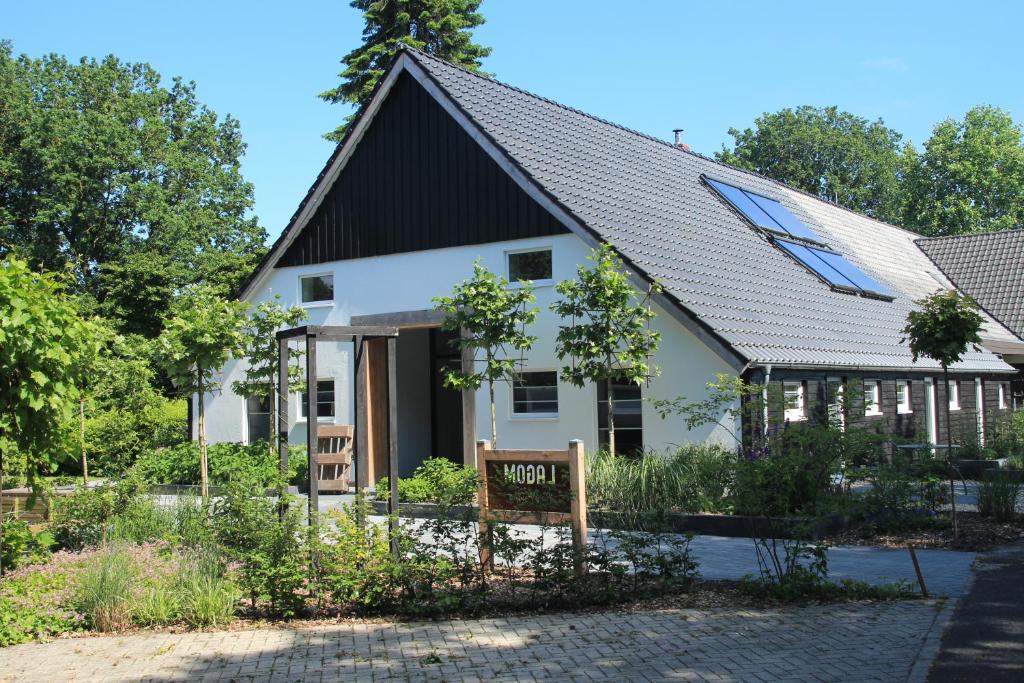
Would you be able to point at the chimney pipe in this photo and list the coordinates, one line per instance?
(679, 139)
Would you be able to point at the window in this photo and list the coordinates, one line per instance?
(764, 212)
(872, 397)
(629, 433)
(324, 401)
(793, 393)
(257, 413)
(954, 394)
(317, 289)
(532, 266)
(1003, 390)
(903, 397)
(535, 393)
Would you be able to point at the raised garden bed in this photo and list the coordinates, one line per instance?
(975, 469)
(739, 526)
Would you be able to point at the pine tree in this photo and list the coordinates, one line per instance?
(439, 27)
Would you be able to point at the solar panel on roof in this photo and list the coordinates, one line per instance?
(783, 217)
(832, 268)
(745, 205)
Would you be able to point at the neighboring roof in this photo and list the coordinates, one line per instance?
(646, 198)
(988, 266)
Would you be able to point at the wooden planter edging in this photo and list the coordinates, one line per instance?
(738, 526)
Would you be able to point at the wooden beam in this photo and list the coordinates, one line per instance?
(361, 438)
(402, 319)
(393, 442)
(338, 332)
(468, 412)
(280, 430)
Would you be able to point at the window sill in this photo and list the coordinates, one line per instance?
(874, 413)
(317, 304)
(303, 420)
(534, 284)
(534, 417)
(954, 408)
(795, 418)
(904, 412)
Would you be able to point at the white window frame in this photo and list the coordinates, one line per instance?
(299, 417)
(1002, 391)
(314, 304)
(526, 417)
(905, 405)
(799, 412)
(953, 394)
(874, 407)
(526, 250)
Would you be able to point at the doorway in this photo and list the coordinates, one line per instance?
(445, 403)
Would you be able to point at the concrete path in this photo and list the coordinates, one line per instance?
(855, 642)
(986, 639)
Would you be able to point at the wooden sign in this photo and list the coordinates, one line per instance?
(532, 487)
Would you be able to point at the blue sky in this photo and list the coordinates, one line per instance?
(652, 66)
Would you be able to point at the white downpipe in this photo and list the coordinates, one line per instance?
(764, 395)
(931, 417)
(979, 401)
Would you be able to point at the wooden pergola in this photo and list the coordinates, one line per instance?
(375, 350)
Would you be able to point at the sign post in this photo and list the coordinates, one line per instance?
(533, 487)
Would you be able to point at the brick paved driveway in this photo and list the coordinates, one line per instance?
(856, 642)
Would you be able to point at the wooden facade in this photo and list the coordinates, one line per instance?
(416, 181)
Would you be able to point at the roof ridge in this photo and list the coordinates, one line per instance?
(984, 233)
(416, 53)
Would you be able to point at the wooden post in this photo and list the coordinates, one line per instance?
(578, 506)
(468, 361)
(312, 424)
(484, 530)
(362, 417)
(392, 344)
(280, 430)
(917, 570)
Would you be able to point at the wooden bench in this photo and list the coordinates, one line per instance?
(334, 458)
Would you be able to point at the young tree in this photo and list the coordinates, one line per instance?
(942, 330)
(832, 154)
(109, 171)
(491, 317)
(261, 352)
(41, 336)
(440, 27)
(970, 176)
(608, 337)
(195, 344)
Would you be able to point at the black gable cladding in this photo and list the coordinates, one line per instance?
(416, 181)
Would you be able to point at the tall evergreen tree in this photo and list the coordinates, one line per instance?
(440, 27)
(970, 176)
(830, 153)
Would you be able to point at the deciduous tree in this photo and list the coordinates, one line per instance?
(829, 153)
(491, 317)
(943, 329)
(261, 353)
(607, 336)
(970, 176)
(440, 27)
(197, 341)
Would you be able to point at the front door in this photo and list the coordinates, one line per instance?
(446, 403)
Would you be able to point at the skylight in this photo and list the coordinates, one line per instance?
(798, 241)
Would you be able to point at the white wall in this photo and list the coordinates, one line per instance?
(407, 282)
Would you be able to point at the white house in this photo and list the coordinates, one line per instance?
(444, 167)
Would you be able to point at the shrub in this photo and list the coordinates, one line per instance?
(998, 495)
(253, 462)
(437, 480)
(268, 548)
(116, 438)
(84, 518)
(791, 474)
(358, 571)
(20, 547)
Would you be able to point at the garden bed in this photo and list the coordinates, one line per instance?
(976, 533)
(736, 526)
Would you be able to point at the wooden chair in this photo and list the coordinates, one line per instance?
(334, 458)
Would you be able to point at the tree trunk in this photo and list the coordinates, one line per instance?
(611, 415)
(1, 499)
(204, 483)
(949, 454)
(81, 441)
(494, 415)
